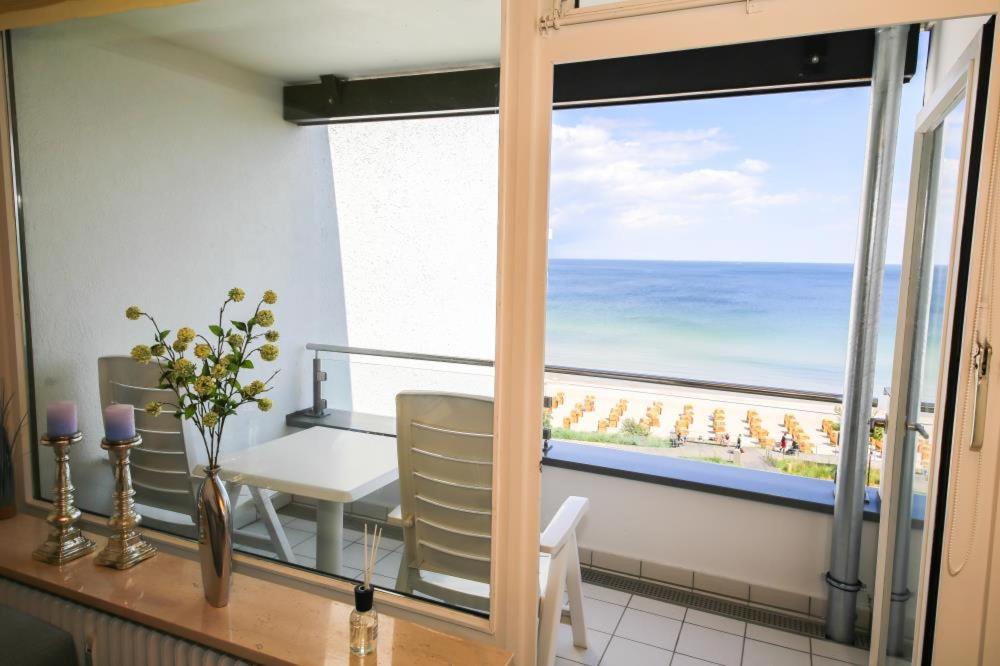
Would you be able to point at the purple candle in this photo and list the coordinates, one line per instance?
(119, 422)
(61, 419)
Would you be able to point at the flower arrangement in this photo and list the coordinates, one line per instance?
(207, 383)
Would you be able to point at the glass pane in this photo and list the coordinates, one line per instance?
(943, 205)
(168, 155)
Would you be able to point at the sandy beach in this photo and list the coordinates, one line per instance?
(772, 410)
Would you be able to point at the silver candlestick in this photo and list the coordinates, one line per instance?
(126, 547)
(65, 543)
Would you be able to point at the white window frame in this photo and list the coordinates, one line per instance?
(528, 56)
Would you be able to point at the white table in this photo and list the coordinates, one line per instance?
(333, 466)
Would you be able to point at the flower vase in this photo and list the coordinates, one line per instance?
(215, 539)
(8, 503)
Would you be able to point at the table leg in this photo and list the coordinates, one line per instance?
(329, 536)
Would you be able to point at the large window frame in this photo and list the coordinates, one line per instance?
(529, 52)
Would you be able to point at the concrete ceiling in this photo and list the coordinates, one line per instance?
(298, 40)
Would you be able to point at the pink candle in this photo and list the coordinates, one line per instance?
(61, 419)
(119, 422)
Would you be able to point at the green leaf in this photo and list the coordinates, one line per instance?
(189, 411)
(240, 325)
(216, 330)
(248, 364)
(163, 335)
(177, 415)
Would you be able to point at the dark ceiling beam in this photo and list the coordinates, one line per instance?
(799, 63)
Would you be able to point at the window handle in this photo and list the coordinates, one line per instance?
(980, 368)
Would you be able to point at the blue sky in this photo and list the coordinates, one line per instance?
(755, 178)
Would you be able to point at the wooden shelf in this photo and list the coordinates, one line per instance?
(265, 622)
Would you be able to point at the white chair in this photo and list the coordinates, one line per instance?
(444, 442)
(165, 490)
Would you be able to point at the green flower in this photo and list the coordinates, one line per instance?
(253, 388)
(142, 354)
(202, 350)
(209, 419)
(264, 318)
(219, 370)
(272, 335)
(236, 294)
(186, 334)
(235, 340)
(204, 385)
(270, 297)
(179, 346)
(269, 352)
(154, 408)
(133, 312)
(183, 369)
(159, 349)
(264, 404)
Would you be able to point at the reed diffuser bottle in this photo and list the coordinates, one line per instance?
(364, 619)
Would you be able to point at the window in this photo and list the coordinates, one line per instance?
(187, 168)
(701, 258)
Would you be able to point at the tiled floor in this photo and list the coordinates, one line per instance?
(301, 535)
(622, 629)
(629, 630)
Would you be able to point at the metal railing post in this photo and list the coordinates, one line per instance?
(866, 295)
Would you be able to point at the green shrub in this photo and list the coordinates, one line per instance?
(807, 468)
(610, 438)
(633, 427)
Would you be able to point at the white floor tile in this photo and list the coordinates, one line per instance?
(592, 591)
(712, 621)
(350, 572)
(777, 637)
(565, 662)
(388, 565)
(307, 547)
(648, 628)
(756, 653)
(389, 543)
(597, 641)
(294, 536)
(623, 652)
(685, 660)
(385, 582)
(710, 644)
(601, 615)
(354, 556)
(285, 518)
(657, 607)
(826, 661)
(305, 561)
(303, 524)
(851, 655)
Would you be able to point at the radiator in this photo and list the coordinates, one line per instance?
(105, 640)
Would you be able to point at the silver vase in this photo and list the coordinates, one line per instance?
(215, 538)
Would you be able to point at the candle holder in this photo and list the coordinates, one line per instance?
(126, 547)
(65, 543)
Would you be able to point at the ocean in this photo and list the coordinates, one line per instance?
(766, 324)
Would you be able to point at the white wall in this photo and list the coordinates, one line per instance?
(417, 212)
(948, 41)
(156, 176)
(754, 542)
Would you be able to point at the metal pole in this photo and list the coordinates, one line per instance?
(866, 295)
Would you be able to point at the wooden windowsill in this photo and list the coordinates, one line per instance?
(265, 622)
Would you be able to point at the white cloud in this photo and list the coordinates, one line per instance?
(751, 165)
(640, 178)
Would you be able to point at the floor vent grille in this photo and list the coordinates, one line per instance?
(710, 604)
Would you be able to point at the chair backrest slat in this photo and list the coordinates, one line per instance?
(161, 467)
(445, 447)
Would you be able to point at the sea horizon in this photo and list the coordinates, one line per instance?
(778, 324)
